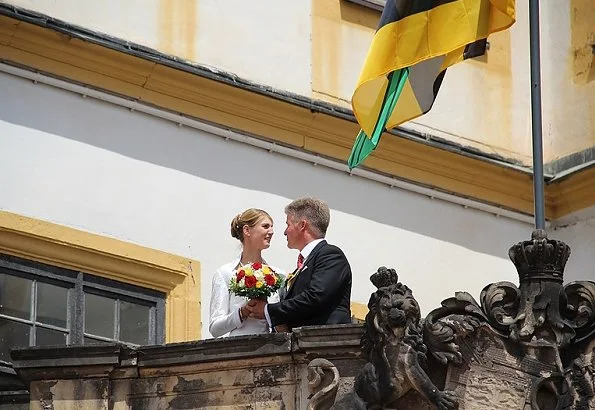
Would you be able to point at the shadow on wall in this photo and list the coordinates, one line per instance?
(211, 157)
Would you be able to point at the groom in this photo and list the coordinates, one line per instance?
(319, 290)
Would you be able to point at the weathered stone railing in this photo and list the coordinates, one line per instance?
(251, 372)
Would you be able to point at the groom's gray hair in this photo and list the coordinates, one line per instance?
(313, 210)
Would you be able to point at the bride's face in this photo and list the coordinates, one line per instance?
(259, 236)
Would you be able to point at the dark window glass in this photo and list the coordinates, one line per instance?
(45, 337)
(15, 296)
(99, 315)
(134, 323)
(12, 335)
(52, 302)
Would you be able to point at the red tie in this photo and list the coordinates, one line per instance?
(300, 261)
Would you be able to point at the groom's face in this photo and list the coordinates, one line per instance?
(292, 233)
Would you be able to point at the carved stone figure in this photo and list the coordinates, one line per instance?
(393, 345)
(539, 336)
(525, 347)
(323, 382)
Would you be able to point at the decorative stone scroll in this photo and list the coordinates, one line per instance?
(525, 347)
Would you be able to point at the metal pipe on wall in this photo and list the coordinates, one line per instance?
(536, 120)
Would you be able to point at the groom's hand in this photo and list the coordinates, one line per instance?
(256, 308)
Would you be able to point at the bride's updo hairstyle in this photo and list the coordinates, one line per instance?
(249, 217)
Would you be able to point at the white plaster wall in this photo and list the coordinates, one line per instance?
(101, 168)
(133, 20)
(568, 100)
(271, 42)
(578, 231)
(264, 41)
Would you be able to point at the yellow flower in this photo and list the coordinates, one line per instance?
(248, 271)
(266, 270)
(259, 284)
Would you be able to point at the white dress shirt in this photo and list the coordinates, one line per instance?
(309, 248)
(225, 306)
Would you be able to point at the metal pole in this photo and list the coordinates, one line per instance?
(538, 193)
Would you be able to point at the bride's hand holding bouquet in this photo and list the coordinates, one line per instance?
(255, 281)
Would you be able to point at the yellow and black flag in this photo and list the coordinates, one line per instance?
(416, 41)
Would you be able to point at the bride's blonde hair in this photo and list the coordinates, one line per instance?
(249, 217)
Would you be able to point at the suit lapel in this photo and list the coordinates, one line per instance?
(304, 266)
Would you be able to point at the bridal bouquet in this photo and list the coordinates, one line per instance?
(255, 281)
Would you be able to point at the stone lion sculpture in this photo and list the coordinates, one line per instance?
(395, 351)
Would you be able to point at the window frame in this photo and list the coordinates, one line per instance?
(79, 283)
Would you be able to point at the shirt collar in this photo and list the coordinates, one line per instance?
(310, 247)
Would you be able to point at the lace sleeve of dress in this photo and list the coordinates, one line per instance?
(221, 320)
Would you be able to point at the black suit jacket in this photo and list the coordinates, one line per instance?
(320, 294)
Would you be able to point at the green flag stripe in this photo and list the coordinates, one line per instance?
(395, 88)
(362, 142)
(364, 146)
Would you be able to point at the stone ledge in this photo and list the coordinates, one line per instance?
(258, 371)
(122, 361)
(67, 362)
(239, 347)
(316, 337)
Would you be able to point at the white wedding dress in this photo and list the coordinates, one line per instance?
(225, 316)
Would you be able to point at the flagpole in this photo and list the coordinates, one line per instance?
(538, 191)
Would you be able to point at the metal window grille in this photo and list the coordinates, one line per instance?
(46, 305)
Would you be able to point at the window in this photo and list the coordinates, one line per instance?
(45, 305)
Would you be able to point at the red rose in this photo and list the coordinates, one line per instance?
(250, 281)
(240, 275)
(270, 280)
(256, 265)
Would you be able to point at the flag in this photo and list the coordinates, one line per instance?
(416, 41)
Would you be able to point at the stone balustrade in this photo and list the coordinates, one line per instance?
(249, 372)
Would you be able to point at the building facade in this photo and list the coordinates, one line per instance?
(131, 135)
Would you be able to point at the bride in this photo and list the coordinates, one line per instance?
(254, 229)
